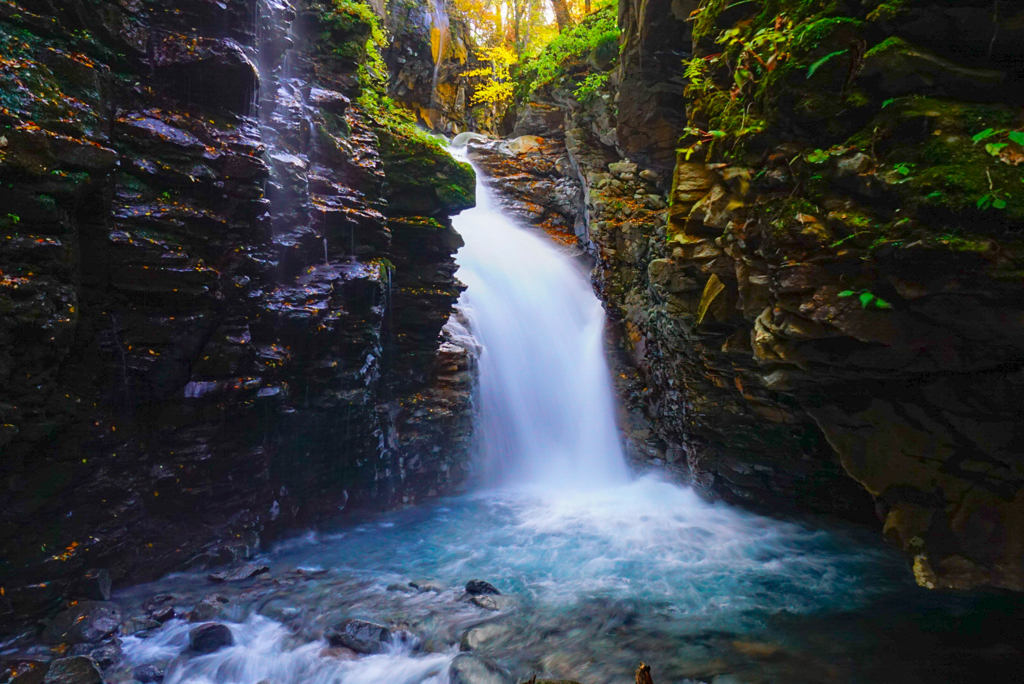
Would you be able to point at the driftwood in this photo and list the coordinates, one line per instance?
(643, 674)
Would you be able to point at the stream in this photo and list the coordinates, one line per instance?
(598, 570)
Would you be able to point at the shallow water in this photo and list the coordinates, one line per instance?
(596, 583)
(597, 572)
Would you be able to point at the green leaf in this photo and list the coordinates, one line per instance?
(888, 102)
(882, 304)
(814, 67)
(865, 299)
(847, 293)
(998, 203)
(1017, 137)
(987, 133)
(818, 156)
(995, 148)
(984, 201)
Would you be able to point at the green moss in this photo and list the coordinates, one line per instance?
(569, 51)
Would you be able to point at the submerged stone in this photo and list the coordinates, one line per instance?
(469, 668)
(359, 635)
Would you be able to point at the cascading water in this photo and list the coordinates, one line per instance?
(438, 43)
(598, 572)
(547, 414)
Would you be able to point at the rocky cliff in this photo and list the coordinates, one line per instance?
(222, 284)
(806, 219)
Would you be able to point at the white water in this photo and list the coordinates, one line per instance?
(547, 413)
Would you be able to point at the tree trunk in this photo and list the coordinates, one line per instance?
(562, 15)
(586, 6)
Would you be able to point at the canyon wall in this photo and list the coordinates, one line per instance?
(223, 277)
(806, 220)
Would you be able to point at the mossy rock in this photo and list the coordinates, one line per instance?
(423, 179)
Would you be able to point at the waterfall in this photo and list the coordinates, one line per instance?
(547, 411)
(438, 38)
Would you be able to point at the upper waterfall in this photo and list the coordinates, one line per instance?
(547, 413)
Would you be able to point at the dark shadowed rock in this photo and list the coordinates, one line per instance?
(96, 585)
(210, 637)
(477, 587)
(359, 635)
(74, 670)
(106, 654)
(86, 622)
(469, 668)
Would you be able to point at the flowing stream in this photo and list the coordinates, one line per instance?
(597, 570)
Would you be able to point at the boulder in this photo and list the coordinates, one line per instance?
(210, 637)
(84, 623)
(359, 635)
(73, 670)
(106, 654)
(476, 587)
(469, 668)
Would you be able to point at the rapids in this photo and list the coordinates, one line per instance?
(598, 570)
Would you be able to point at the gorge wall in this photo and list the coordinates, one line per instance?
(806, 219)
(223, 274)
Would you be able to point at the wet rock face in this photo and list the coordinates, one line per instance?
(198, 278)
(824, 311)
(427, 54)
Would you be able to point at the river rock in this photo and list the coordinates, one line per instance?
(106, 654)
(469, 668)
(138, 624)
(85, 622)
(73, 670)
(491, 602)
(525, 143)
(424, 586)
(96, 585)
(210, 637)
(151, 672)
(238, 574)
(161, 606)
(209, 608)
(473, 639)
(478, 586)
(359, 635)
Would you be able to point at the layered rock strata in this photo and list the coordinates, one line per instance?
(821, 292)
(201, 280)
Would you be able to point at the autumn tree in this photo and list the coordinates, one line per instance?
(562, 15)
